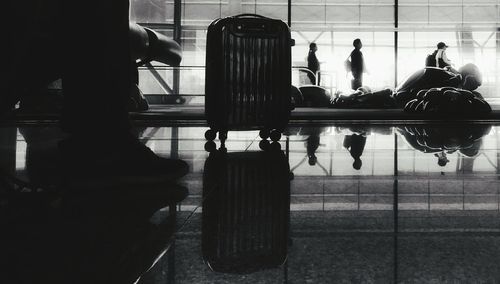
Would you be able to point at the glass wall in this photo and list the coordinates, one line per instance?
(469, 28)
(152, 11)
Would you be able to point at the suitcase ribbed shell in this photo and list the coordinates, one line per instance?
(248, 74)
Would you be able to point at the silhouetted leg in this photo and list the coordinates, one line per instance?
(96, 83)
(357, 81)
(96, 67)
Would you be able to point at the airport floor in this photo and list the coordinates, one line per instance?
(335, 203)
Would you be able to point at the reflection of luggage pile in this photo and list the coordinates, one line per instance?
(246, 203)
(448, 101)
(428, 139)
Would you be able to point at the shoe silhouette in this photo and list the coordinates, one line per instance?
(123, 159)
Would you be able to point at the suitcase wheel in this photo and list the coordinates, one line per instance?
(210, 146)
(275, 146)
(275, 135)
(264, 133)
(264, 145)
(210, 134)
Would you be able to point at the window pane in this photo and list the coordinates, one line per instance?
(152, 11)
(334, 48)
(449, 13)
(468, 27)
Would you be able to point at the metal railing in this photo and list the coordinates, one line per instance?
(157, 84)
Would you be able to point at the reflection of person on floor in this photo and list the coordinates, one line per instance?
(313, 64)
(357, 65)
(355, 144)
(312, 145)
(442, 159)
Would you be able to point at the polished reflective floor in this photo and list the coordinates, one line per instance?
(327, 204)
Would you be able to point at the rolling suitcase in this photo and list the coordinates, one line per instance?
(248, 76)
(246, 207)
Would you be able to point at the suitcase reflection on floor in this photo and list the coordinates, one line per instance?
(246, 210)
